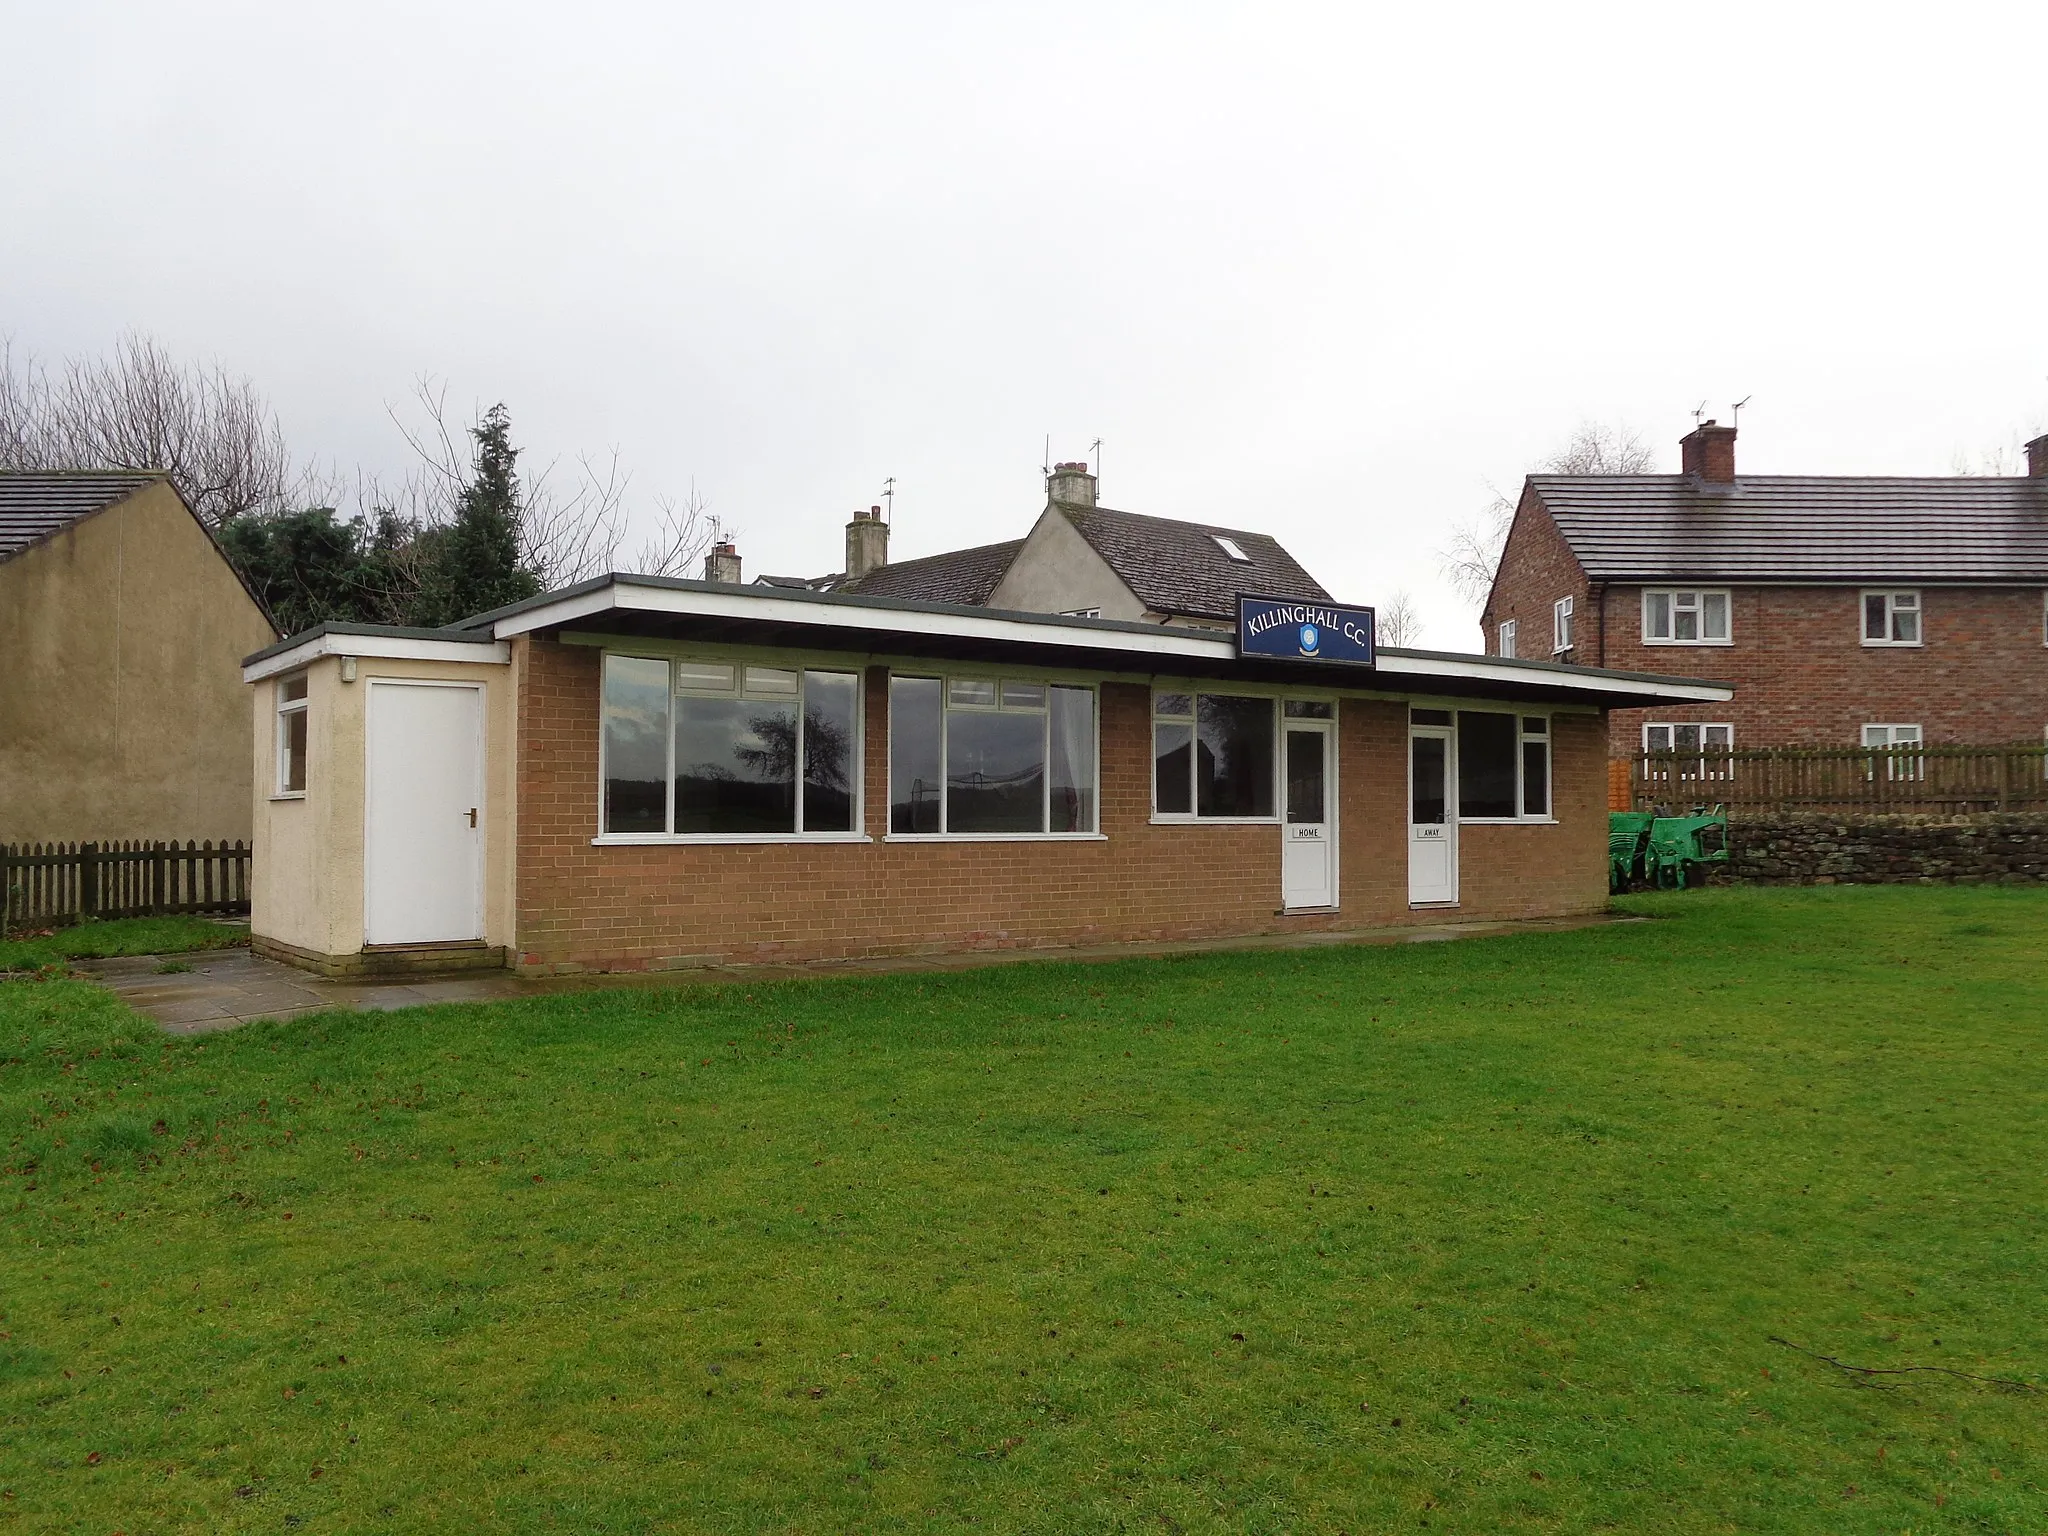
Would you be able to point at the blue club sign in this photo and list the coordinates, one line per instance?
(1288, 630)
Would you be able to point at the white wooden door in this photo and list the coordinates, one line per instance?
(423, 839)
(1308, 848)
(1432, 818)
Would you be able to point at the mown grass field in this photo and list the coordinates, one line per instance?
(1477, 1237)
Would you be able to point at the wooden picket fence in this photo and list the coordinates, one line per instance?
(1876, 781)
(44, 885)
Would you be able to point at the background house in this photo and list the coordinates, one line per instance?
(1846, 610)
(1079, 559)
(122, 630)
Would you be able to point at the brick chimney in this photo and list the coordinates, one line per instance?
(1707, 453)
(2037, 458)
(867, 543)
(723, 563)
(1072, 484)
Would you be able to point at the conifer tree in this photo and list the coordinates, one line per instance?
(472, 564)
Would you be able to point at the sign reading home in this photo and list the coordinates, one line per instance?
(1289, 630)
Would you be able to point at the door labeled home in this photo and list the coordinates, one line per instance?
(423, 838)
(1432, 829)
(1308, 849)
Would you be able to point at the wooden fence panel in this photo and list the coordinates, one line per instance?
(44, 885)
(1906, 780)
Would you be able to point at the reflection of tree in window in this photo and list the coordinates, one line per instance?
(829, 702)
(735, 766)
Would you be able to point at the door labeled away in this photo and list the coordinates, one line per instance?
(1308, 848)
(423, 837)
(1432, 829)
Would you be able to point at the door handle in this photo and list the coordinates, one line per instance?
(472, 815)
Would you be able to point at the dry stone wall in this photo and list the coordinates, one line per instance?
(2009, 849)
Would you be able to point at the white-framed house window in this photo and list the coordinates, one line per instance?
(1232, 548)
(1891, 618)
(1503, 765)
(991, 758)
(729, 751)
(291, 738)
(1685, 616)
(1561, 625)
(1506, 646)
(1700, 749)
(1213, 756)
(1898, 765)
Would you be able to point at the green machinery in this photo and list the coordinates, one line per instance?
(1662, 850)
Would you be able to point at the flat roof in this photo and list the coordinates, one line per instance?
(669, 608)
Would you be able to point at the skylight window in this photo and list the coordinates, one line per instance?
(1229, 546)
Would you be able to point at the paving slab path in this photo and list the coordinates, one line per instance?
(210, 990)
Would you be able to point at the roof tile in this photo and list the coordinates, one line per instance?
(1179, 568)
(36, 504)
(1802, 527)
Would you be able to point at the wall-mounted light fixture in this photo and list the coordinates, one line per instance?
(348, 669)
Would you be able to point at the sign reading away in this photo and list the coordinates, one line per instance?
(1290, 630)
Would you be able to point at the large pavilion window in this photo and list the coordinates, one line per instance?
(729, 749)
(1212, 756)
(991, 757)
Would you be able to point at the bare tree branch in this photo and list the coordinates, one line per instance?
(567, 532)
(1472, 555)
(214, 434)
(683, 532)
(1397, 621)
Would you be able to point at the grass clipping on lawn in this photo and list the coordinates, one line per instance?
(1487, 1236)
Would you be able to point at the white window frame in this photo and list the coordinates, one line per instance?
(1505, 644)
(286, 708)
(1561, 626)
(1896, 767)
(1897, 600)
(1195, 817)
(1697, 607)
(945, 678)
(1700, 771)
(1523, 734)
(845, 666)
(1077, 613)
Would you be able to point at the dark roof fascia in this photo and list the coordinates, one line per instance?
(1887, 581)
(1552, 668)
(1546, 681)
(339, 627)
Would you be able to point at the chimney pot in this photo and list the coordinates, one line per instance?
(2037, 458)
(1707, 453)
(723, 562)
(1072, 484)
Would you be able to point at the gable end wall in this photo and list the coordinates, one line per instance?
(1537, 568)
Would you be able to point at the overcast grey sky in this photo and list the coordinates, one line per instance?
(1321, 271)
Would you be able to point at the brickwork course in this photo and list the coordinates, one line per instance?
(1796, 656)
(580, 905)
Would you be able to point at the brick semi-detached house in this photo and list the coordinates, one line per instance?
(1843, 609)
